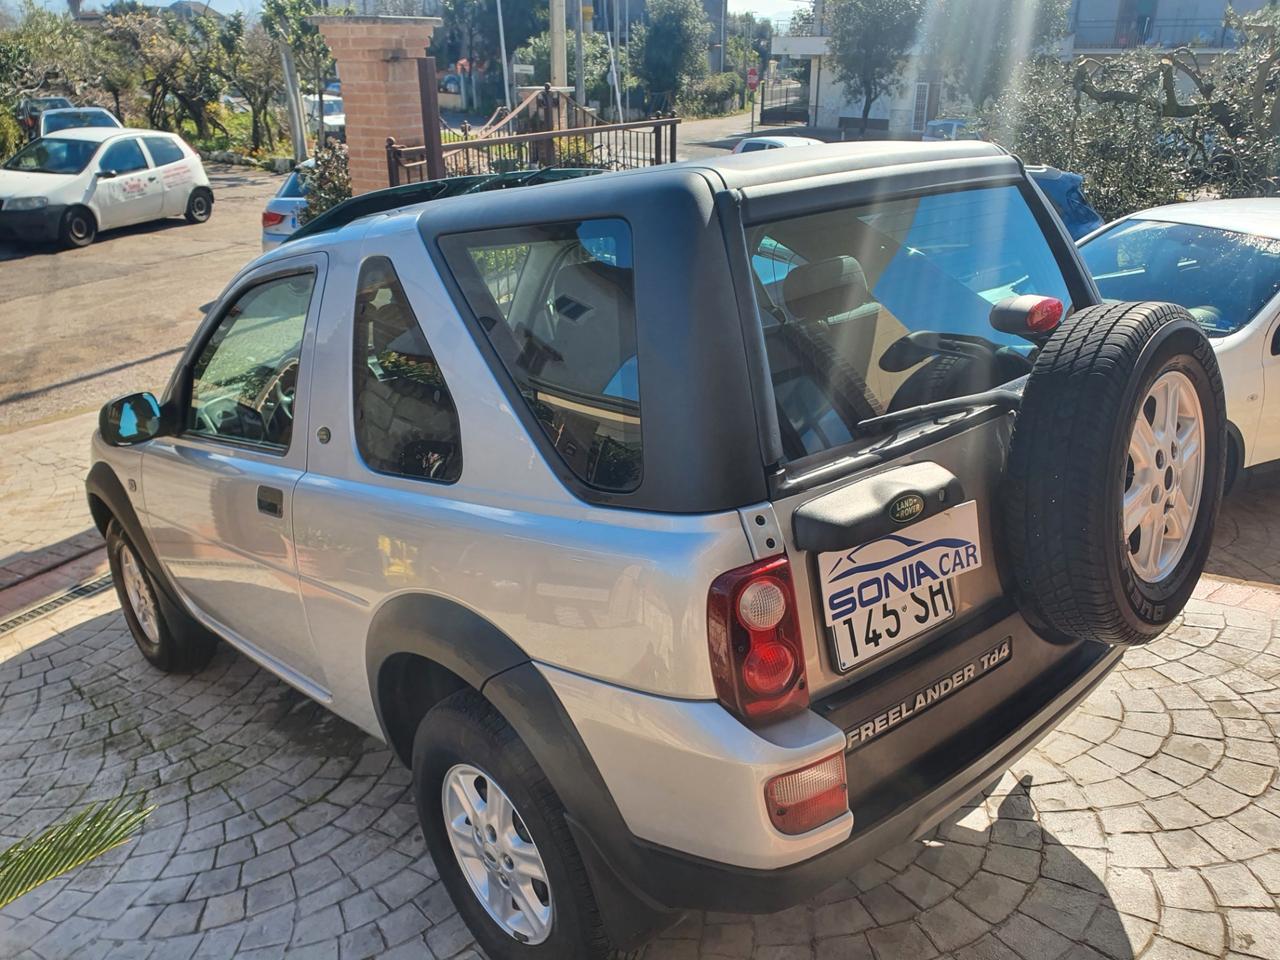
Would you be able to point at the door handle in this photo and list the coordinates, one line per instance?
(271, 501)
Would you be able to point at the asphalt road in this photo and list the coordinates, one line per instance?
(78, 327)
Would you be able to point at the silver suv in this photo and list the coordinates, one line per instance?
(694, 534)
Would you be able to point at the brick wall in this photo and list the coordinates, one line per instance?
(377, 65)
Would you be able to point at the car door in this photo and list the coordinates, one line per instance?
(1268, 441)
(127, 188)
(176, 176)
(219, 493)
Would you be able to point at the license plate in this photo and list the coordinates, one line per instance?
(875, 630)
(885, 592)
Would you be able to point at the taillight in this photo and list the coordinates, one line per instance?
(271, 219)
(756, 656)
(807, 798)
(1045, 316)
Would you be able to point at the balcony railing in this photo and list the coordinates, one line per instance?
(1157, 33)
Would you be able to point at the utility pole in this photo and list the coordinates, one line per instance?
(502, 46)
(579, 88)
(297, 124)
(559, 62)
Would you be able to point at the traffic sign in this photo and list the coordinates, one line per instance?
(753, 78)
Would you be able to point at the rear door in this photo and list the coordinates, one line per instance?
(913, 646)
(175, 170)
(875, 308)
(128, 188)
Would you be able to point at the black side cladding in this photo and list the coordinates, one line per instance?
(1062, 497)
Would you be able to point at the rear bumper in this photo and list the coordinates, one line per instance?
(33, 226)
(673, 880)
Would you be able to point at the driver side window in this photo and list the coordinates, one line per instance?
(244, 381)
(123, 156)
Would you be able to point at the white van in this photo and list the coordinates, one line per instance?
(69, 186)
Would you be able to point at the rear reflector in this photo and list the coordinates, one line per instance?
(809, 797)
(270, 219)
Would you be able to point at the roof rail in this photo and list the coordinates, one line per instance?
(407, 194)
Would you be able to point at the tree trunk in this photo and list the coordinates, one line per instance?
(867, 100)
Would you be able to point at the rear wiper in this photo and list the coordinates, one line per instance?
(1005, 398)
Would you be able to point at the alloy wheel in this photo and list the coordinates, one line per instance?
(1164, 477)
(142, 600)
(497, 854)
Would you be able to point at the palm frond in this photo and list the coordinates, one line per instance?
(93, 831)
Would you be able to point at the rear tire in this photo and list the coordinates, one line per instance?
(464, 736)
(1103, 544)
(199, 205)
(144, 612)
(78, 228)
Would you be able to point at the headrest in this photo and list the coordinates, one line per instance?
(583, 287)
(825, 288)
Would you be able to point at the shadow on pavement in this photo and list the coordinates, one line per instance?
(1246, 544)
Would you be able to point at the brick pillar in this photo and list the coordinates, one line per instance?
(377, 65)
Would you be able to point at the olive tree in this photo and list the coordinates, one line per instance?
(869, 39)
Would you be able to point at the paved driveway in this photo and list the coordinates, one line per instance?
(1147, 826)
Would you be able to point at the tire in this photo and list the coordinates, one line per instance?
(78, 228)
(1071, 466)
(199, 205)
(464, 735)
(144, 612)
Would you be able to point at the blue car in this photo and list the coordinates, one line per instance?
(1065, 191)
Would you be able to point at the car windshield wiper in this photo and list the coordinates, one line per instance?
(1007, 397)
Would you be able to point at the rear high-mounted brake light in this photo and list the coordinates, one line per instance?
(807, 798)
(270, 219)
(757, 659)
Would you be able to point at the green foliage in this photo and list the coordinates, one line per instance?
(714, 94)
(980, 44)
(11, 138)
(470, 29)
(96, 829)
(328, 183)
(669, 52)
(869, 39)
(1129, 126)
(595, 63)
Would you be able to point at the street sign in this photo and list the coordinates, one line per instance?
(753, 78)
(522, 69)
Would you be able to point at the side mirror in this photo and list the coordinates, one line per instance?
(131, 420)
(106, 174)
(1030, 316)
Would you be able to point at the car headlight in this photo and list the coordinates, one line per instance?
(26, 203)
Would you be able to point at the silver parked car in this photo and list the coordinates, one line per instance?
(693, 534)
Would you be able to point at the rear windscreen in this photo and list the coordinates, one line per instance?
(884, 306)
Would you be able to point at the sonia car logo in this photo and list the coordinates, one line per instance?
(940, 548)
(906, 508)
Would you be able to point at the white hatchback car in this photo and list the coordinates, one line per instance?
(1221, 260)
(69, 186)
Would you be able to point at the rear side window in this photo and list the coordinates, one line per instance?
(557, 302)
(405, 420)
(163, 150)
(886, 306)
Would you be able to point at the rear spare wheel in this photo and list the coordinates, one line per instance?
(1115, 473)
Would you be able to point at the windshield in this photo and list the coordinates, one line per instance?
(53, 155)
(53, 122)
(1224, 278)
(884, 307)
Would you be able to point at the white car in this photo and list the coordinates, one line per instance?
(68, 118)
(335, 115)
(752, 144)
(280, 218)
(1221, 260)
(69, 186)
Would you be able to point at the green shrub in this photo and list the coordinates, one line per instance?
(11, 138)
(328, 183)
(714, 94)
